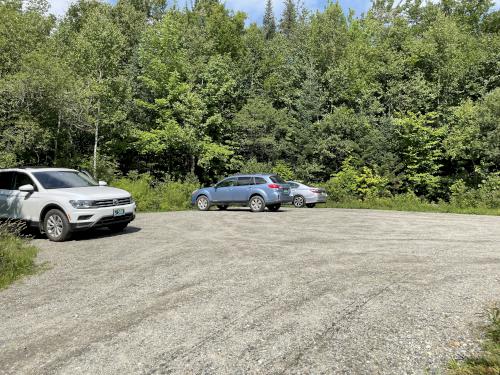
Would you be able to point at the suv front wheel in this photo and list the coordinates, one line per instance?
(56, 226)
(203, 203)
(257, 204)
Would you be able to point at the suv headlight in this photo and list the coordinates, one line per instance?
(82, 204)
(132, 200)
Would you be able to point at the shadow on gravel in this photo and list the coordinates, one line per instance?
(102, 232)
(88, 235)
(246, 209)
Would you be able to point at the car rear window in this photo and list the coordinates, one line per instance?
(260, 181)
(277, 180)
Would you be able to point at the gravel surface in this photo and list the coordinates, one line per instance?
(315, 291)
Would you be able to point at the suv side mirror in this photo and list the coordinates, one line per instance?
(27, 188)
(103, 183)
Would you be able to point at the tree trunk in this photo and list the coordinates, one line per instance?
(56, 146)
(96, 137)
(96, 134)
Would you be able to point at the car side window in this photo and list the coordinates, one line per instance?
(6, 180)
(227, 183)
(245, 181)
(260, 181)
(22, 179)
(293, 185)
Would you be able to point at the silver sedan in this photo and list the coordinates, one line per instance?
(304, 195)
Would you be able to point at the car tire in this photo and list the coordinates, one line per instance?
(274, 207)
(222, 208)
(311, 205)
(56, 226)
(299, 201)
(117, 228)
(203, 203)
(257, 204)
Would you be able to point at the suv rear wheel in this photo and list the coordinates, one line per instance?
(56, 226)
(257, 204)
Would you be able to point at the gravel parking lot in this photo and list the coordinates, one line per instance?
(298, 291)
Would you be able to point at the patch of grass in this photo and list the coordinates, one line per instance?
(488, 362)
(16, 254)
(410, 202)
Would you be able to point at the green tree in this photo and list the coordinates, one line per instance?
(97, 50)
(288, 20)
(269, 23)
(419, 144)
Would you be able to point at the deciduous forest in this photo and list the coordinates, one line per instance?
(404, 99)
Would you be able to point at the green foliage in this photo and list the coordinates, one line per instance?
(487, 195)
(269, 23)
(284, 171)
(419, 144)
(351, 183)
(16, 254)
(152, 194)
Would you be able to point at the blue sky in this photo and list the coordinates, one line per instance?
(253, 8)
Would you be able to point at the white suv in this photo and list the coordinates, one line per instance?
(61, 201)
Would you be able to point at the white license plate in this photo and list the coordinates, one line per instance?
(119, 212)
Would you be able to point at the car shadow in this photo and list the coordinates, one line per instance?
(101, 233)
(246, 209)
(91, 234)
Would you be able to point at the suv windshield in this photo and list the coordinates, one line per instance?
(277, 180)
(64, 179)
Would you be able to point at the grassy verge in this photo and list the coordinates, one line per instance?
(488, 362)
(16, 255)
(410, 203)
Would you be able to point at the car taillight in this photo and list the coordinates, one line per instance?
(273, 186)
(316, 191)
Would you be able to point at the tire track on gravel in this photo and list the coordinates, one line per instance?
(229, 329)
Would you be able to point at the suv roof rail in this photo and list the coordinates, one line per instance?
(253, 174)
(29, 167)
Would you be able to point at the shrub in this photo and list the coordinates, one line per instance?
(486, 195)
(351, 183)
(284, 171)
(158, 195)
(16, 254)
